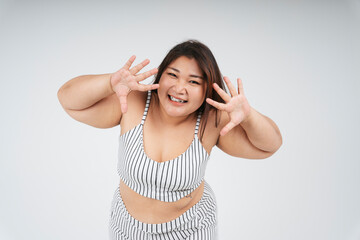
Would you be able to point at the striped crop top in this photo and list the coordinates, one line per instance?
(166, 181)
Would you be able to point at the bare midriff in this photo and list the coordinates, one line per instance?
(148, 210)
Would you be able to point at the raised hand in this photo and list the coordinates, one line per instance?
(125, 80)
(235, 105)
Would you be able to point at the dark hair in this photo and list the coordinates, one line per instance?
(194, 49)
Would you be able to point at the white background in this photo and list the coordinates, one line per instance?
(299, 61)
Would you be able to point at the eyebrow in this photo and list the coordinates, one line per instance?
(191, 75)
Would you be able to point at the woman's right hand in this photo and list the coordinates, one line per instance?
(125, 80)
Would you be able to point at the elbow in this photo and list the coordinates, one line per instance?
(268, 154)
(279, 143)
(262, 154)
(60, 96)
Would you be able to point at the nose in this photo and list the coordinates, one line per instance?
(180, 87)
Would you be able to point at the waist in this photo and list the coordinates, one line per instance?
(154, 211)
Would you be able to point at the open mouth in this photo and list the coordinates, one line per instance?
(176, 99)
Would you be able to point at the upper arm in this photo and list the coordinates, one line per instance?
(237, 144)
(105, 113)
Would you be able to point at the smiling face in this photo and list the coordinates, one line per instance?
(182, 87)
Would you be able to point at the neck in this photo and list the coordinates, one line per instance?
(163, 118)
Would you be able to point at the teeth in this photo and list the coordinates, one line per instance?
(176, 100)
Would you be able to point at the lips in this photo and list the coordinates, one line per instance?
(176, 99)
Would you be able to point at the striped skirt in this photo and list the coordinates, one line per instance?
(197, 223)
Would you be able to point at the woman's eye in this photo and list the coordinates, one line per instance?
(171, 74)
(195, 82)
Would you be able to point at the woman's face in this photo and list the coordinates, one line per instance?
(182, 87)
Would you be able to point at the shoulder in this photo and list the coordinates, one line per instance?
(136, 101)
(136, 98)
(215, 120)
(212, 123)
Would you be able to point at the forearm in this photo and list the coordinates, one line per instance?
(84, 91)
(262, 132)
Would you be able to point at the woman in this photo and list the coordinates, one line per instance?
(168, 129)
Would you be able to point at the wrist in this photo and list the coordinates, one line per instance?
(249, 117)
(111, 90)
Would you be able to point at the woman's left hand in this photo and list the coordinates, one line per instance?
(235, 105)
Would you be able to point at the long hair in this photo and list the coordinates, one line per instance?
(194, 49)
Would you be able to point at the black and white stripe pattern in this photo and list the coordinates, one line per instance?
(167, 181)
(197, 223)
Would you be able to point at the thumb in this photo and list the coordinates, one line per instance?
(123, 103)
